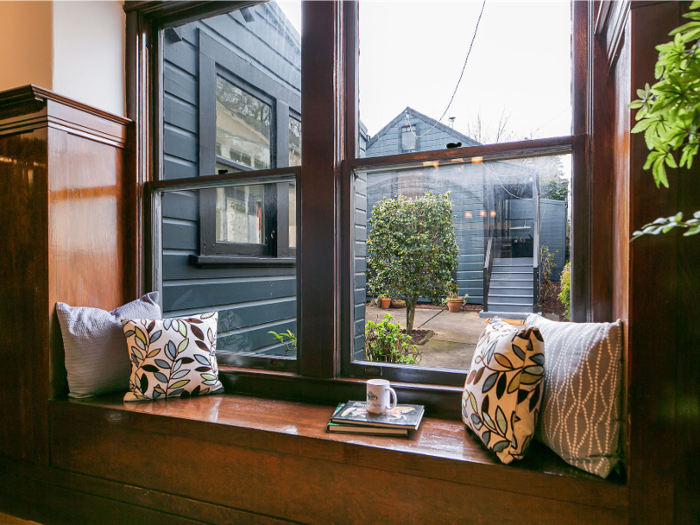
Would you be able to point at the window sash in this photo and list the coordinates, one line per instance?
(331, 151)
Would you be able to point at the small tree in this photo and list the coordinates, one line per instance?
(412, 250)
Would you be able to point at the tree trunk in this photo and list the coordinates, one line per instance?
(410, 314)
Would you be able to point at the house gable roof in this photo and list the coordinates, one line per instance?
(413, 114)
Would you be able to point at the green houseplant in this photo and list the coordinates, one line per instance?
(385, 342)
(412, 250)
(669, 115)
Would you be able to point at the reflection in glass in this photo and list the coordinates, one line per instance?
(504, 212)
(242, 126)
(294, 142)
(252, 301)
(240, 214)
(292, 215)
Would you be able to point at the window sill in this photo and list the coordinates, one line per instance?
(440, 449)
(235, 260)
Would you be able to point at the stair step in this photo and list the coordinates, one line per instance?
(502, 301)
(504, 308)
(506, 290)
(513, 262)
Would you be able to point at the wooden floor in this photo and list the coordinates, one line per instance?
(6, 519)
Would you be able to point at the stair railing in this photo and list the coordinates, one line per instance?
(536, 258)
(488, 267)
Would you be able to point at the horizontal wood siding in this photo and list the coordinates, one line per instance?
(252, 301)
(553, 232)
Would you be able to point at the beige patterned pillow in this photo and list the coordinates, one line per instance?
(583, 387)
(503, 391)
(172, 357)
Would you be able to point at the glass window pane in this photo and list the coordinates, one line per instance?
(292, 215)
(225, 79)
(240, 214)
(242, 126)
(480, 230)
(294, 142)
(516, 84)
(252, 300)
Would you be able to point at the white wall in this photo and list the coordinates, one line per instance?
(88, 53)
(75, 49)
(26, 34)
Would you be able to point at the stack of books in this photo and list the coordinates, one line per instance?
(352, 418)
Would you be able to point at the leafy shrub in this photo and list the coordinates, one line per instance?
(412, 250)
(385, 342)
(555, 190)
(565, 294)
(546, 266)
(288, 339)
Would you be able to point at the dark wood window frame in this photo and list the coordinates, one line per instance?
(215, 60)
(324, 185)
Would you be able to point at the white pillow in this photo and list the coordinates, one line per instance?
(172, 357)
(96, 358)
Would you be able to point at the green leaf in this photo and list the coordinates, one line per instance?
(178, 384)
(501, 420)
(183, 345)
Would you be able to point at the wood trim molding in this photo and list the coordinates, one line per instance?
(610, 27)
(30, 107)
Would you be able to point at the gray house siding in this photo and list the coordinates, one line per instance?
(553, 232)
(251, 300)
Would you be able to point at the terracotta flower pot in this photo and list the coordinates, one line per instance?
(384, 303)
(453, 305)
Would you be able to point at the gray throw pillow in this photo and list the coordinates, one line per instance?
(97, 357)
(580, 415)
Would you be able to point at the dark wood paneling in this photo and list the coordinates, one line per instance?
(63, 211)
(30, 495)
(24, 293)
(51, 504)
(256, 445)
(654, 328)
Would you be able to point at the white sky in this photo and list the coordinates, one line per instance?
(412, 52)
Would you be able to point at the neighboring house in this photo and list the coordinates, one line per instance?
(494, 202)
(232, 101)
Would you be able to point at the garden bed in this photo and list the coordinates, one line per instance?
(420, 337)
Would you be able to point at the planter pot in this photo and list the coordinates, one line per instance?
(453, 305)
(397, 303)
(384, 303)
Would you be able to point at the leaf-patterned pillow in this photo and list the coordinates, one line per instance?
(503, 391)
(172, 357)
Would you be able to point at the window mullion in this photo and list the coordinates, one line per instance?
(322, 141)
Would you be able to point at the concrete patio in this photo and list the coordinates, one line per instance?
(456, 334)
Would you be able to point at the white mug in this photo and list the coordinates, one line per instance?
(378, 394)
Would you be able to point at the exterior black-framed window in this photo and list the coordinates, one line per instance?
(248, 121)
(248, 221)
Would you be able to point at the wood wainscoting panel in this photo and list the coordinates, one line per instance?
(64, 190)
(275, 458)
(23, 296)
(85, 232)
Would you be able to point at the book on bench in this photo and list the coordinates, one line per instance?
(352, 417)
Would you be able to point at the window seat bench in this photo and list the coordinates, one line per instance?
(274, 457)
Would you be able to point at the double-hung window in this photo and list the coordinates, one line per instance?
(283, 246)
